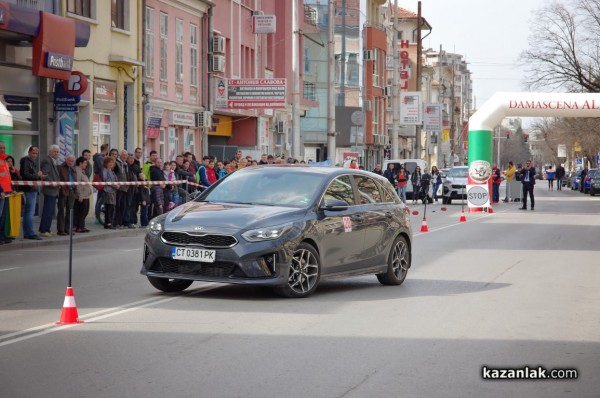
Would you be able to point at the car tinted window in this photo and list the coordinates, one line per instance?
(270, 187)
(389, 194)
(460, 173)
(368, 190)
(340, 189)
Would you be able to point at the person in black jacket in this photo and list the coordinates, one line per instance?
(528, 180)
(144, 200)
(30, 172)
(157, 192)
(560, 174)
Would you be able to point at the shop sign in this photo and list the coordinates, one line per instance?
(77, 83)
(63, 102)
(105, 92)
(410, 107)
(154, 116)
(58, 61)
(183, 119)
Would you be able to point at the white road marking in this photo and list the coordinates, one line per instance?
(8, 269)
(41, 330)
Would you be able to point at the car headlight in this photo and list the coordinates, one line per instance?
(268, 233)
(155, 226)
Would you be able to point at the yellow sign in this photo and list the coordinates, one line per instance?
(577, 147)
(221, 126)
(446, 135)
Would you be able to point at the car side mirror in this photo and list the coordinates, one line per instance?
(334, 205)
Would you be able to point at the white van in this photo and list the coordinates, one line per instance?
(410, 165)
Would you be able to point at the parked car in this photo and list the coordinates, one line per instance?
(566, 181)
(455, 184)
(594, 183)
(285, 227)
(587, 180)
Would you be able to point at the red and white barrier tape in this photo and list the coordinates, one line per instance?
(113, 184)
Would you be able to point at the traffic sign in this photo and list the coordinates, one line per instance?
(478, 195)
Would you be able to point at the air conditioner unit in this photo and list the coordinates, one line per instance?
(367, 55)
(387, 91)
(367, 106)
(217, 63)
(204, 119)
(381, 140)
(280, 127)
(218, 44)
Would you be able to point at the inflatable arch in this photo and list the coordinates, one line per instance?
(501, 105)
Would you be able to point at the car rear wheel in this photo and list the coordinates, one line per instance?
(398, 263)
(169, 285)
(305, 273)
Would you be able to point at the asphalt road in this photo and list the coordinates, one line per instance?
(504, 290)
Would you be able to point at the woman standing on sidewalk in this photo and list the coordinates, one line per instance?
(436, 178)
(416, 183)
(83, 195)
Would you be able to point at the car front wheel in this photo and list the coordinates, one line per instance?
(305, 273)
(169, 285)
(398, 263)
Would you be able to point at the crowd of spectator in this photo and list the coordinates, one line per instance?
(117, 205)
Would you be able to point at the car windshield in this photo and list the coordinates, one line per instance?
(267, 186)
(459, 173)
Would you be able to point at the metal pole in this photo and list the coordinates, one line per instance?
(419, 45)
(296, 79)
(331, 150)
(70, 245)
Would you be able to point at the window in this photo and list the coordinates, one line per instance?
(82, 8)
(310, 91)
(178, 50)
(340, 189)
(117, 13)
(352, 69)
(164, 43)
(306, 60)
(375, 115)
(149, 49)
(375, 69)
(368, 190)
(193, 55)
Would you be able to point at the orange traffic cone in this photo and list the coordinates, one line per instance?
(69, 312)
(424, 226)
(462, 216)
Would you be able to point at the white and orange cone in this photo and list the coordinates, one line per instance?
(69, 312)
(463, 218)
(424, 227)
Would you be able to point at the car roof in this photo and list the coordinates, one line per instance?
(302, 168)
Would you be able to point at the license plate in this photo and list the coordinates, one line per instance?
(200, 255)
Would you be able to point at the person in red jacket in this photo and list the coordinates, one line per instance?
(211, 175)
(5, 188)
(496, 180)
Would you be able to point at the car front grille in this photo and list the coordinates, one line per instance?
(218, 269)
(457, 186)
(205, 240)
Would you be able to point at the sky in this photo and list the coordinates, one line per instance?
(489, 33)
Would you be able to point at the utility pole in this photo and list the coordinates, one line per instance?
(395, 87)
(331, 150)
(441, 92)
(419, 51)
(296, 83)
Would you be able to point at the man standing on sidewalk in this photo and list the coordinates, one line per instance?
(49, 167)
(30, 172)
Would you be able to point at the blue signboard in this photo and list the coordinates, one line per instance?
(63, 101)
(579, 161)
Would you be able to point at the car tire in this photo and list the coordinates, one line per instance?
(398, 263)
(449, 200)
(169, 285)
(305, 273)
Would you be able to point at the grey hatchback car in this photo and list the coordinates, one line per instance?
(286, 227)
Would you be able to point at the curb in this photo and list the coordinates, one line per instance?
(21, 243)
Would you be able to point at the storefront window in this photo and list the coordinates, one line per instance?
(101, 132)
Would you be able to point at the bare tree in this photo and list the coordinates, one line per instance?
(564, 48)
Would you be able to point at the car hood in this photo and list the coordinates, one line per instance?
(228, 216)
(457, 180)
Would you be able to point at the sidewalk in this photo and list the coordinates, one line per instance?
(97, 232)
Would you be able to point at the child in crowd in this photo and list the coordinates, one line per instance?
(144, 196)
